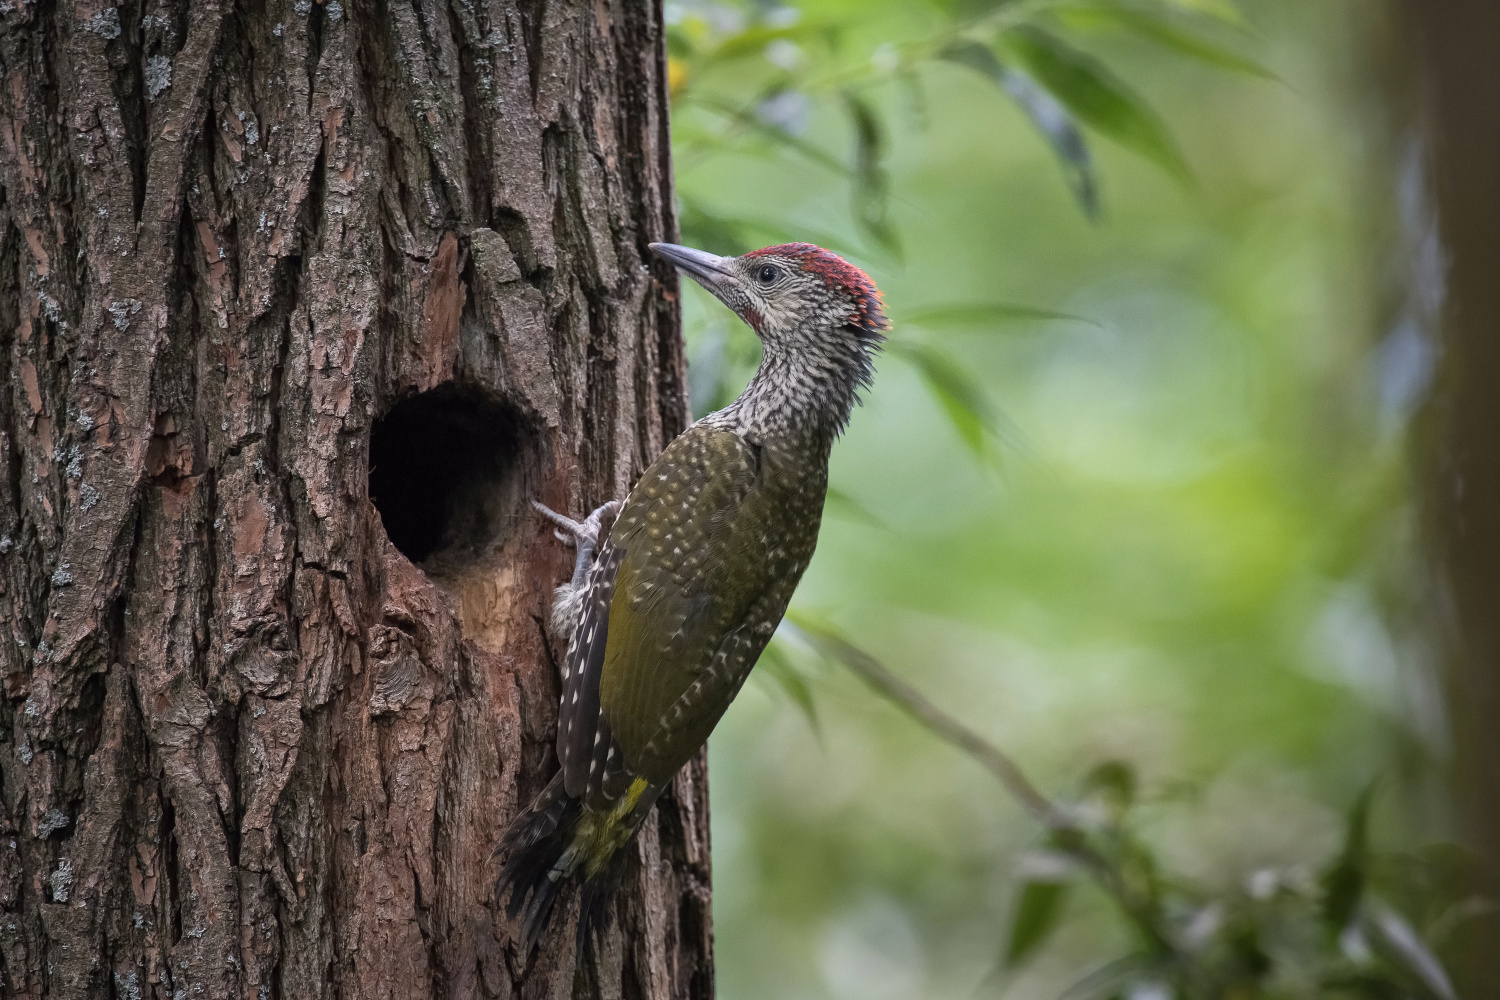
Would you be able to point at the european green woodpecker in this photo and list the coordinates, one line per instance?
(695, 573)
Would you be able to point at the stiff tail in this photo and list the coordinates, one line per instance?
(533, 846)
(554, 838)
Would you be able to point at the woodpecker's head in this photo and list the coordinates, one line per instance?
(801, 300)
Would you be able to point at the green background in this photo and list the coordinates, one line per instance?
(1193, 548)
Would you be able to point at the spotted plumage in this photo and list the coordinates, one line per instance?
(697, 569)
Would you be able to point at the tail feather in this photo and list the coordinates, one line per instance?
(556, 838)
(594, 909)
(534, 845)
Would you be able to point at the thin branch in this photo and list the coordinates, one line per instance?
(1058, 820)
(939, 722)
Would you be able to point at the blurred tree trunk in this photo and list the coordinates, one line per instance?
(248, 747)
(1460, 72)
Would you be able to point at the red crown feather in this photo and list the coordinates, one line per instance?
(839, 274)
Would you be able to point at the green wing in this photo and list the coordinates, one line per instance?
(698, 593)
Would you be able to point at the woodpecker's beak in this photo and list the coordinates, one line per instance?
(705, 268)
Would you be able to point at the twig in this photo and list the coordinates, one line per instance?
(940, 723)
(1058, 820)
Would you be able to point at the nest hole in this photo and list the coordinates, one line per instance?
(443, 467)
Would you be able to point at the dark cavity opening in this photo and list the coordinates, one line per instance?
(440, 471)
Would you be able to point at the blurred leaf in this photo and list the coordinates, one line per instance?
(733, 235)
(1096, 96)
(752, 41)
(968, 9)
(1344, 882)
(842, 505)
(1114, 780)
(1369, 984)
(1059, 861)
(1108, 980)
(963, 399)
(871, 182)
(822, 636)
(985, 313)
(1049, 117)
(1039, 910)
(916, 98)
(1437, 886)
(1182, 790)
(677, 77)
(786, 109)
(1152, 24)
(1141, 892)
(1456, 868)
(747, 120)
(680, 44)
(1224, 10)
(1460, 913)
(776, 665)
(1250, 962)
(690, 139)
(1405, 948)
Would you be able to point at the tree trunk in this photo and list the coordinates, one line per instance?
(300, 304)
(1456, 47)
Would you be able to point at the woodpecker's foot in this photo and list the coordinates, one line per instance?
(583, 534)
(567, 602)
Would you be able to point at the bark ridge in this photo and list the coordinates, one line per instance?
(248, 747)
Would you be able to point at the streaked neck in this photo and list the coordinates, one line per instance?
(801, 394)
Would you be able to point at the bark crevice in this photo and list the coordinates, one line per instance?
(255, 741)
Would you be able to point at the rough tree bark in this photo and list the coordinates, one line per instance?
(261, 262)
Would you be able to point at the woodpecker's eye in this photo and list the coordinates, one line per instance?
(767, 273)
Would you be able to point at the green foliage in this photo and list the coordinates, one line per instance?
(1039, 910)
(978, 422)
(1224, 10)
(1095, 95)
(985, 315)
(842, 505)
(1344, 882)
(783, 671)
(1056, 85)
(1193, 369)
(1046, 112)
(1162, 29)
(871, 183)
(1194, 941)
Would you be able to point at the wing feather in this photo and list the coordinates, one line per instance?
(578, 720)
(697, 571)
